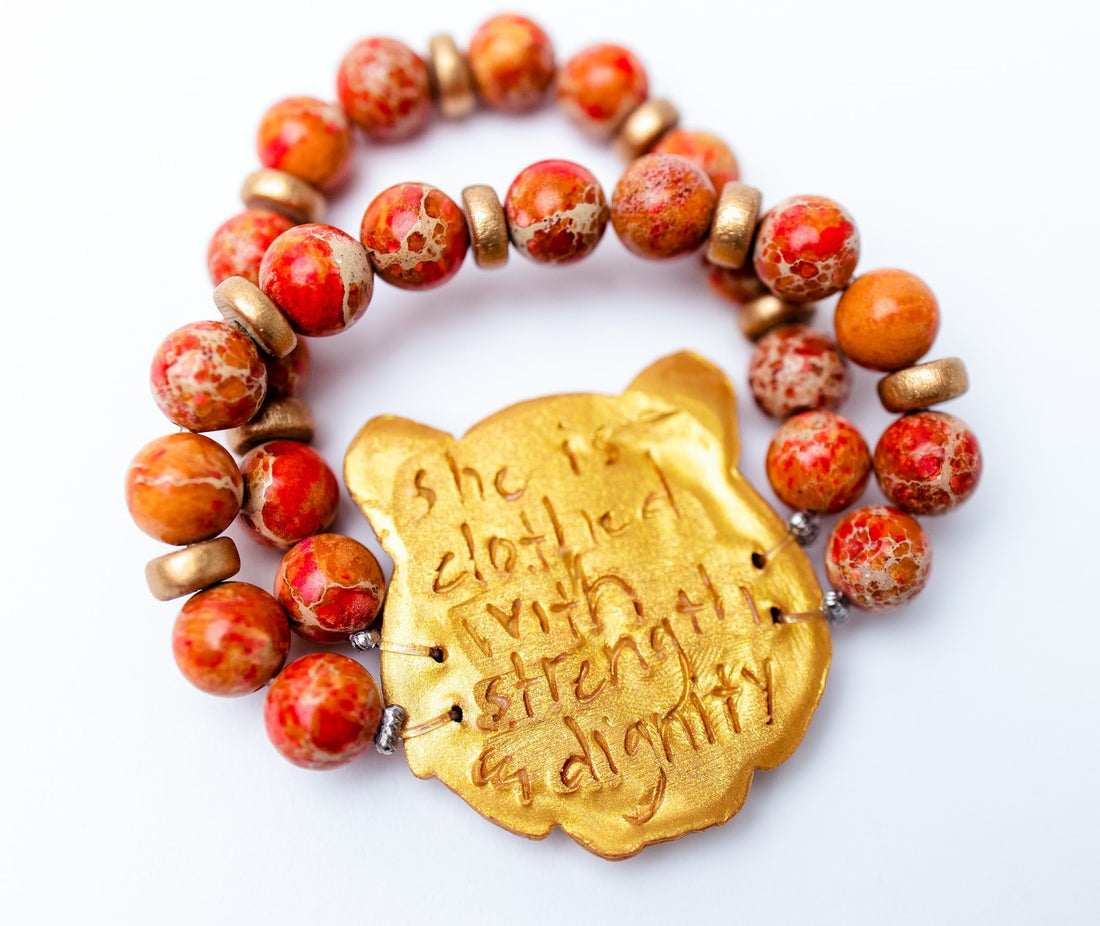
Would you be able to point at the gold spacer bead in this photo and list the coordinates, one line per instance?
(644, 127)
(734, 225)
(193, 568)
(451, 80)
(243, 303)
(280, 192)
(923, 385)
(280, 419)
(488, 227)
(757, 318)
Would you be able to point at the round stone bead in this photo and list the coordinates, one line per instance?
(739, 286)
(231, 639)
(928, 463)
(886, 320)
(322, 711)
(702, 148)
(662, 206)
(183, 488)
(207, 376)
(818, 462)
(806, 248)
(384, 87)
(239, 244)
(289, 493)
(512, 62)
(879, 557)
(600, 86)
(307, 138)
(795, 369)
(330, 586)
(556, 212)
(287, 376)
(415, 234)
(320, 277)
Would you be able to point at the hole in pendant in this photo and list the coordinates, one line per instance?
(758, 560)
(776, 613)
(437, 653)
(456, 713)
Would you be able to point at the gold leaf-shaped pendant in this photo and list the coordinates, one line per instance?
(584, 565)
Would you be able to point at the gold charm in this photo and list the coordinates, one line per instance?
(582, 570)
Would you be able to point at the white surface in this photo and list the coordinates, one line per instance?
(949, 775)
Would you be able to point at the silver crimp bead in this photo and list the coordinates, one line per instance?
(389, 730)
(804, 527)
(364, 640)
(834, 605)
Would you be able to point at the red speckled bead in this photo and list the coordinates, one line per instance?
(886, 320)
(818, 461)
(806, 248)
(415, 234)
(662, 206)
(600, 86)
(512, 61)
(287, 376)
(239, 244)
(231, 639)
(289, 493)
(384, 88)
(183, 488)
(320, 278)
(796, 369)
(556, 212)
(739, 286)
(207, 376)
(322, 711)
(708, 151)
(330, 586)
(879, 557)
(928, 463)
(305, 137)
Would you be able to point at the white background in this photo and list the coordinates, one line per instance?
(950, 773)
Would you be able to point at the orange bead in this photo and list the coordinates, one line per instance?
(305, 137)
(600, 86)
(886, 320)
(513, 63)
(819, 462)
(707, 150)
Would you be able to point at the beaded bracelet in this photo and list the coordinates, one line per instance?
(593, 621)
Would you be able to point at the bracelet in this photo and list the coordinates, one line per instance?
(593, 621)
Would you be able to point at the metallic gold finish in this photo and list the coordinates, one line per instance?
(757, 318)
(923, 385)
(452, 82)
(244, 304)
(610, 661)
(193, 568)
(281, 419)
(488, 227)
(644, 127)
(734, 225)
(282, 193)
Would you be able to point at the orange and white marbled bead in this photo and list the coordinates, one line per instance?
(384, 88)
(556, 212)
(879, 557)
(512, 61)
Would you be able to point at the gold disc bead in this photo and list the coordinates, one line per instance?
(282, 193)
(923, 385)
(733, 225)
(280, 419)
(193, 568)
(762, 314)
(644, 127)
(243, 303)
(450, 77)
(488, 226)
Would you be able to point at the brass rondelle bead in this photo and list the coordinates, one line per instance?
(280, 419)
(757, 318)
(282, 193)
(488, 226)
(923, 385)
(644, 127)
(733, 225)
(451, 80)
(193, 568)
(243, 303)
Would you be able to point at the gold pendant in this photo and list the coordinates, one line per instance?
(582, 566)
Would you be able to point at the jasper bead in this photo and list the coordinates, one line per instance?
(806, 248)
(207, 376)
(739, 286)
(512, 62)
(662, 206)
(320, 277)
(928, 463)
(384, 87)
(322, 711)
(305, 137)
(600, 86)
(287, 376)
(238, 245)
(702, 148)
(183, 488)
(415, 234)
(330, 586)
(879, 557)
(886, 320)
(794, 369)
(231, 639)
(289, 493)
(818, 462)
(556, 212)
